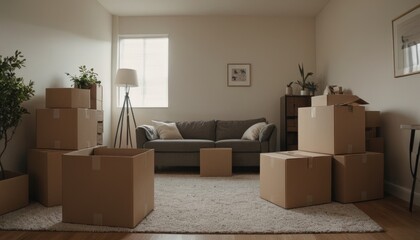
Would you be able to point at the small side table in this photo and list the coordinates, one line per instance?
(412, 128)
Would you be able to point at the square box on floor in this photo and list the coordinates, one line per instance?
(358, 177)
(109, 187)
(332, 129)
(295, 178)
(14, 192)
(44, 170)
(71, 128)
(215, 162)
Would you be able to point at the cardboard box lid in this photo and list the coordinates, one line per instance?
(341, 99)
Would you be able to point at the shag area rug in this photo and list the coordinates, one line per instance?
(190, 204)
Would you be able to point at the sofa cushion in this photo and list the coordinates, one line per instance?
(253, 132)
(167, 130)
(197, 129)
(239, 145)
(177, 145)
(234, 129)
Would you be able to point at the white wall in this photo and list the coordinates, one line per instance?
(200, 49)
(55, 36)
(354, 50)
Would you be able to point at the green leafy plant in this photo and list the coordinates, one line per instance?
(302, 83)
(13, 92)
(312, 86)
(86, 79)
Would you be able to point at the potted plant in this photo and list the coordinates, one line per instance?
(289, 89)
(312, 87)
(88, 79)
(302, 83)
(13, 92)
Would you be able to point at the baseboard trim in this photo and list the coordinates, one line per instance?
(402, 192)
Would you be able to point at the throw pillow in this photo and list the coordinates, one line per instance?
(266, 132)
(167, 130)
(253, 132)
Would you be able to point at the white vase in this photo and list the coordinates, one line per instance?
(304, 92)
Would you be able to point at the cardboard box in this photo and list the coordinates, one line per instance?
(69, 128)
(375, 145)
(340, 99)
(96, 92)
(215, 162)
(100, 138)
(100, 127)
(99, 115)
(44, 170)
(371, 132)
(67, 98)
(358, 177)
(332, 129)
(373, 119)
(14, 192)
(110, 187)
(295, 178)
(96, 104)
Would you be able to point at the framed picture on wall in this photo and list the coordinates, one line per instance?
(239, 74)
(406, 38)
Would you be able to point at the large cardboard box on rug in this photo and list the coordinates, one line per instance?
(14, 192)
(358, 177)
(338, 99)
(110, 187)
(44, 170)
(216, 162)
(295, 178)
(332, 129)
(67, 98)
(69, 128)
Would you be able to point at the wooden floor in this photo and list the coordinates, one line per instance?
(391, 213)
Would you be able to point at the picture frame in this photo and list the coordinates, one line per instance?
(239, 75)
(406, 43)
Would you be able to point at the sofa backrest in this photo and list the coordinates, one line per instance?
(197, 129)
(234, 129)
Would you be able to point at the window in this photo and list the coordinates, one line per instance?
(149, 57)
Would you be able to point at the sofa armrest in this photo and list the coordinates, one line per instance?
(141, 138)
(269, 134)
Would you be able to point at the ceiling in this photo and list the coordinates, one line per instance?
(301, 8)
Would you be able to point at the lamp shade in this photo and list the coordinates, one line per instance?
(127, 77)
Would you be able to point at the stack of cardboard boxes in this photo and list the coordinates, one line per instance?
(332, 155)
(67, 123)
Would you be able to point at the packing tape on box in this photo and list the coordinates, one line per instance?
(146, 207)
(96, 163)
(364, 158)
(97, 219)
(57, 144)
(310, 162)
(87, 116)
(309, 199)
(313, 112)
(349, 148)
(56, 113)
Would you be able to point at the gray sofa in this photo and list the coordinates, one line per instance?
(210, 134)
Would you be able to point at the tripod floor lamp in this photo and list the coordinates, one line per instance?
(128, 78)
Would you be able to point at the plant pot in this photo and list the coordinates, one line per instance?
(14, 192)
(304, 92)
(289, 91)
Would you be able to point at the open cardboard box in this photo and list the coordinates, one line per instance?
(106, 186)
(14, 192)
